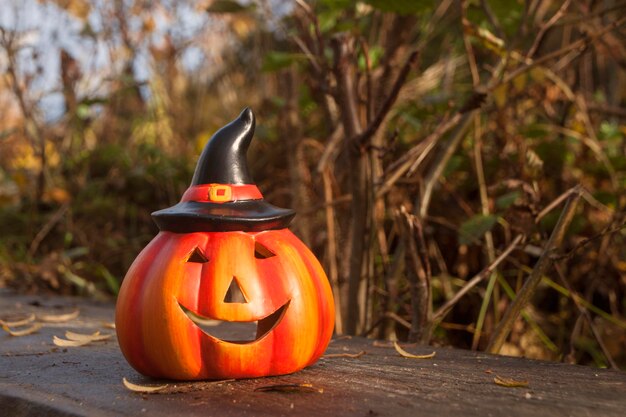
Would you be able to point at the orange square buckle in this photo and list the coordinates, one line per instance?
(220, 193)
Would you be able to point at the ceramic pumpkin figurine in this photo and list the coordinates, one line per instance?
(223, 235)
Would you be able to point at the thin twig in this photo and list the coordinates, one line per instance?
(416, 155)
(313, 18)
(418, 276)
(345, 96)
(398, 319)
(440, 161)
(444, 309)
(389, 101)
(547, 209)
(314, 209)
(491, 253)
(585, 242)
(580, 43)
(588, 16)
(480, 176)
(369, 103)
(523, 297)
(493, 19)
(312, 58)
(54, 219)
(333, 269)
(546, 26)
(587, 316)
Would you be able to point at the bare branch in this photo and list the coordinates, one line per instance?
(523, 297)
(587, 316)
(389, 101)
(444, 309)
(547, 26)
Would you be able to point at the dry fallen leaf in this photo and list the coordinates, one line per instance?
(58, 318)
(29, 330)
(94, 337)
(142, 388)
(508, 382)
(289, 388)
(18, 323)
(345, 355)
(410, 355)
(69, 343)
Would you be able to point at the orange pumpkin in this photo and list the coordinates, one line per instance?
(223, 235)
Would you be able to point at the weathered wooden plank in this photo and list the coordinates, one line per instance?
(37, 378)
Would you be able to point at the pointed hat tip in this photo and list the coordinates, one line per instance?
(247, 115)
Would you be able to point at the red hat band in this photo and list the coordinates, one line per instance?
(222, 193)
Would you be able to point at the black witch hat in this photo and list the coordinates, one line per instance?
(222, 196)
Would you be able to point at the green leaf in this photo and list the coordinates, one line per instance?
(402, 6)
(375, 53)
(507, 200)
(609, 130)
(535, 131)
(474, 228)
(111, 282)
(75, 252)
(228, 6)
(508, 13)
(276, 60)
(83, 111)
(336, 4)
(455, 162)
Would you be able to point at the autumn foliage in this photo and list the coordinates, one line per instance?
(429, 148)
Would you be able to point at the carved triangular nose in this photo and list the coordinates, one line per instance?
(234, 293)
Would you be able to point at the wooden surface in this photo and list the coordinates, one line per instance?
(38, 378)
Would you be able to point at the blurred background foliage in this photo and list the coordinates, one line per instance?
(423, 143)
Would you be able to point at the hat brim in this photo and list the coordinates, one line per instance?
(246, 216)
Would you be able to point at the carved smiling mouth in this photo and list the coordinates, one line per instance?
(240, 332)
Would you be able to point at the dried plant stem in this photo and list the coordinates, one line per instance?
(398, 319)
(480, 176)
(440, 160)
(491, 252)
(416, 155)
(547, 26)
(389, 101)
(419, 275)
(444, 309)
(578, 44)
(347, 102)
(591, 15)
(298, 169)
(394, 272)
(41, 235)
(584, 194)
(523, 297)
(587, 316)
(333, 270)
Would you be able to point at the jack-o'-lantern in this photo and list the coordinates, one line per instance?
(223, 237)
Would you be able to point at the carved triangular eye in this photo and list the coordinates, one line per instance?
(262, 252)
(197, 256)
(234, 293)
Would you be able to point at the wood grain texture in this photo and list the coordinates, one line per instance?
(36, 377)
